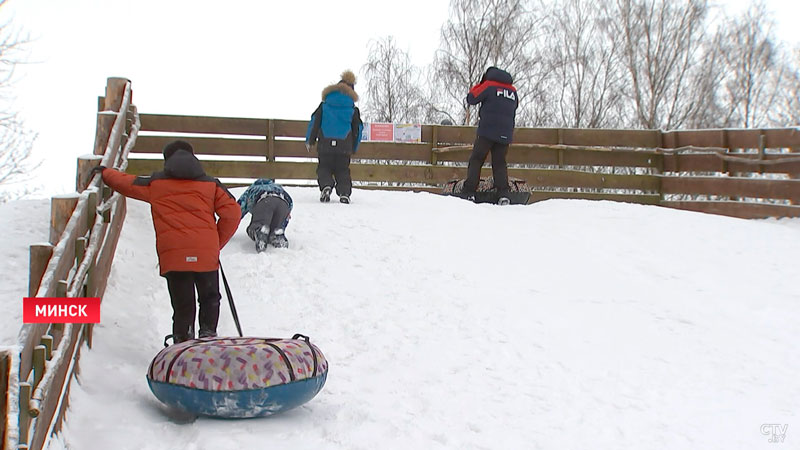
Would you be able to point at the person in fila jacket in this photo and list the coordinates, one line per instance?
(336, 127)
(183, 203)
(499, 101)
(270, 208)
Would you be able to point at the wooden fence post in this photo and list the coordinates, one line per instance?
(434, 144)
(270, 140)
(39, 357)
(24, 416)
(85, 165)
(39, 257)
(115, 90)
(5, 372)
(47, 342)
(61, 208)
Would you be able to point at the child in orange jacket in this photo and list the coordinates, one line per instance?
(183, 203)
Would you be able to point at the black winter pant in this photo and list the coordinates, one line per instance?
(270, 211)
(181, 286)
(334, 171)
(480, 149)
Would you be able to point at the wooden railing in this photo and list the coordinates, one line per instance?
(84, 230)
(742, 173)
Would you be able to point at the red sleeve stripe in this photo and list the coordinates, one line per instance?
(478, 88)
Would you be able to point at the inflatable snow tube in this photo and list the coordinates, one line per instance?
(519, 192)
(238, 377)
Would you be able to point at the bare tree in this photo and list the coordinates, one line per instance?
(586, 81)
(754, 73)
(786, 112)
(483, 33)
(15, 140)
(393, 90)
(660, 47)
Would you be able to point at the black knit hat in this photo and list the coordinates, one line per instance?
(174, 146)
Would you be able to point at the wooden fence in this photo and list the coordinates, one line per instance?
(743, 173)
(84, 230)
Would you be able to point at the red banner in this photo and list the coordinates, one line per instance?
(381, 132)
(61, 310)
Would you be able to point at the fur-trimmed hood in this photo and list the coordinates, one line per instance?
(346, 86)
(340, 87)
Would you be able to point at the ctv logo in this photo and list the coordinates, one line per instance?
(775, 431)
(61, 310)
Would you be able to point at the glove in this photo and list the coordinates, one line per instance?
(308, 147)
(95, 170)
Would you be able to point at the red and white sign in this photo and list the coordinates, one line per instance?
(61, 310)
(381, 132)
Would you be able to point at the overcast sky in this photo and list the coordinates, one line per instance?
(241, 58)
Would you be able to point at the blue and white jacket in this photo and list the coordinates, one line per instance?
(336, 125)
(261, 188)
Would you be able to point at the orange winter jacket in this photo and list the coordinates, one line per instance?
(183, 201)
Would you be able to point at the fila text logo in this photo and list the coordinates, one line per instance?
(507, 94)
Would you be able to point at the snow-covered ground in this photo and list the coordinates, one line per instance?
(22, 223)
(561, 325)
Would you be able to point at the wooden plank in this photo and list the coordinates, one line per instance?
(109, 248)
(203, 125)
(643, 199)
(62, 410)
(5, 373)
(743, 210)
(732, 187)
(205, 145)
(693, 138)
(61, 208)
(711, 162)
(559, 155)
(52, 392)
(290, 128)
(610, 137)
(413, 174)
(534, 136)
(115, 91)
(105, 121)
(30, 333)
(578, 179)
(39, 257)
(732, 138)
(454, 135)
(782, 137)
(367, 150)
(282, 148)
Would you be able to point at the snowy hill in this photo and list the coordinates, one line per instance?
(559, 325)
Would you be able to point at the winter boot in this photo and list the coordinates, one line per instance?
(206, 333)
(278, 239)
(344, 199)
(262, 238)
(325, 195)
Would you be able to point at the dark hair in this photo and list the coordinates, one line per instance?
(174, 146)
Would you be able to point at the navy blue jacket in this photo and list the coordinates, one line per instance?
(336, 125)
(499, 101)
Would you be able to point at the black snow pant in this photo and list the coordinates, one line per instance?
(181, 286)
(334, 171)
(480, 149)
(271, 211)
